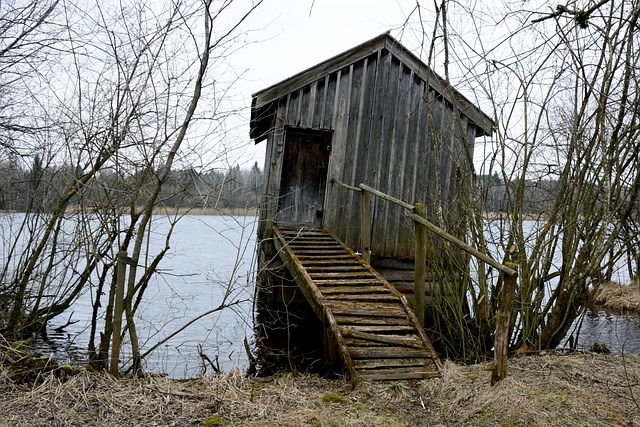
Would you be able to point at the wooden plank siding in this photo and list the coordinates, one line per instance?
(395, 126)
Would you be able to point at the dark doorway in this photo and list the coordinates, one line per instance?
(304, 177)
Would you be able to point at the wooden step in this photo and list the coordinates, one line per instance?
(386, 297)
(377, 321)
(330, 268)
(331, 262)
(349, 282)
(397, 374)
(347, 291)
(379, 339)
(413, 362)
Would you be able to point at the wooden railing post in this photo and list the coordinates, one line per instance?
(420, 267)
(503, 320)
(365, 225)
(121, 262)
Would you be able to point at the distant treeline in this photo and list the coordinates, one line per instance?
(495, 194)
(39, 187)
(539, 196)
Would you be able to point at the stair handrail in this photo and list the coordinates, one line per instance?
(411, 213)
(417, 212)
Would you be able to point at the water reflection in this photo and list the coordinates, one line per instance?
(59, 345)
(620, 332)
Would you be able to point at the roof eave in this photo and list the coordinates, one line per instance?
(484, 124)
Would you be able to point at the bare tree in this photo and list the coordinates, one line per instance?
(121, 104)
(561, 84)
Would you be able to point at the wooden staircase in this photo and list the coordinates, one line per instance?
(376, 332)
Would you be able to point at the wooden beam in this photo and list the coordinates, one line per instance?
(403, 341)
(420, 268)
(365, 226)
(503, 320)
(386, 197)
(462, 245)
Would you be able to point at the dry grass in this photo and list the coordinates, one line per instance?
(618, 298)
(575, 390)
(571, 390)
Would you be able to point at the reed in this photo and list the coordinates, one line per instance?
(617, 297)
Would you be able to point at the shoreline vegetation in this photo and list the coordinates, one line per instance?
(253, 211)
(617, 298)
(543, 389)
(554, 389)
(239, 211)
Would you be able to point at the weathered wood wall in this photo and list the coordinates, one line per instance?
(390, 130)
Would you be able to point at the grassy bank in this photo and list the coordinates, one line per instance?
(617, 298)
(550, 390)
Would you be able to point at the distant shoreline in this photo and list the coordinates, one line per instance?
(207, 211)
(242, 211)
(178, 211)
(617, 298)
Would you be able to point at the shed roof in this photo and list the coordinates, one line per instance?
(262, 99)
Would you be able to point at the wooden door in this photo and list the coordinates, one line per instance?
(304, 177)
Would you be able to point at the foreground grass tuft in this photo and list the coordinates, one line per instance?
(571, 390)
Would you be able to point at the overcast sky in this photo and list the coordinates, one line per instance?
(297, 34)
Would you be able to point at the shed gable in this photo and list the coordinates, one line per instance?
(264, 103)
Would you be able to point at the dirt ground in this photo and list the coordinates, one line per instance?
(548, 390)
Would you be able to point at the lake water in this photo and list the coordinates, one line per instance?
(210, 257)
(214, 256)
(620, 332)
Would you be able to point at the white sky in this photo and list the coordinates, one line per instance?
(297, 36)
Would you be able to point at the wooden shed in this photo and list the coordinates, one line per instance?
(374, 115)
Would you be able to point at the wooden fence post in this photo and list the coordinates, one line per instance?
(420, 267)
(503, 320)
(117, 312)
(365, 225)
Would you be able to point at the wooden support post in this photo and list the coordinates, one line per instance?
(121, 262)
(503, 320)
(420, 267)
(365, 225)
